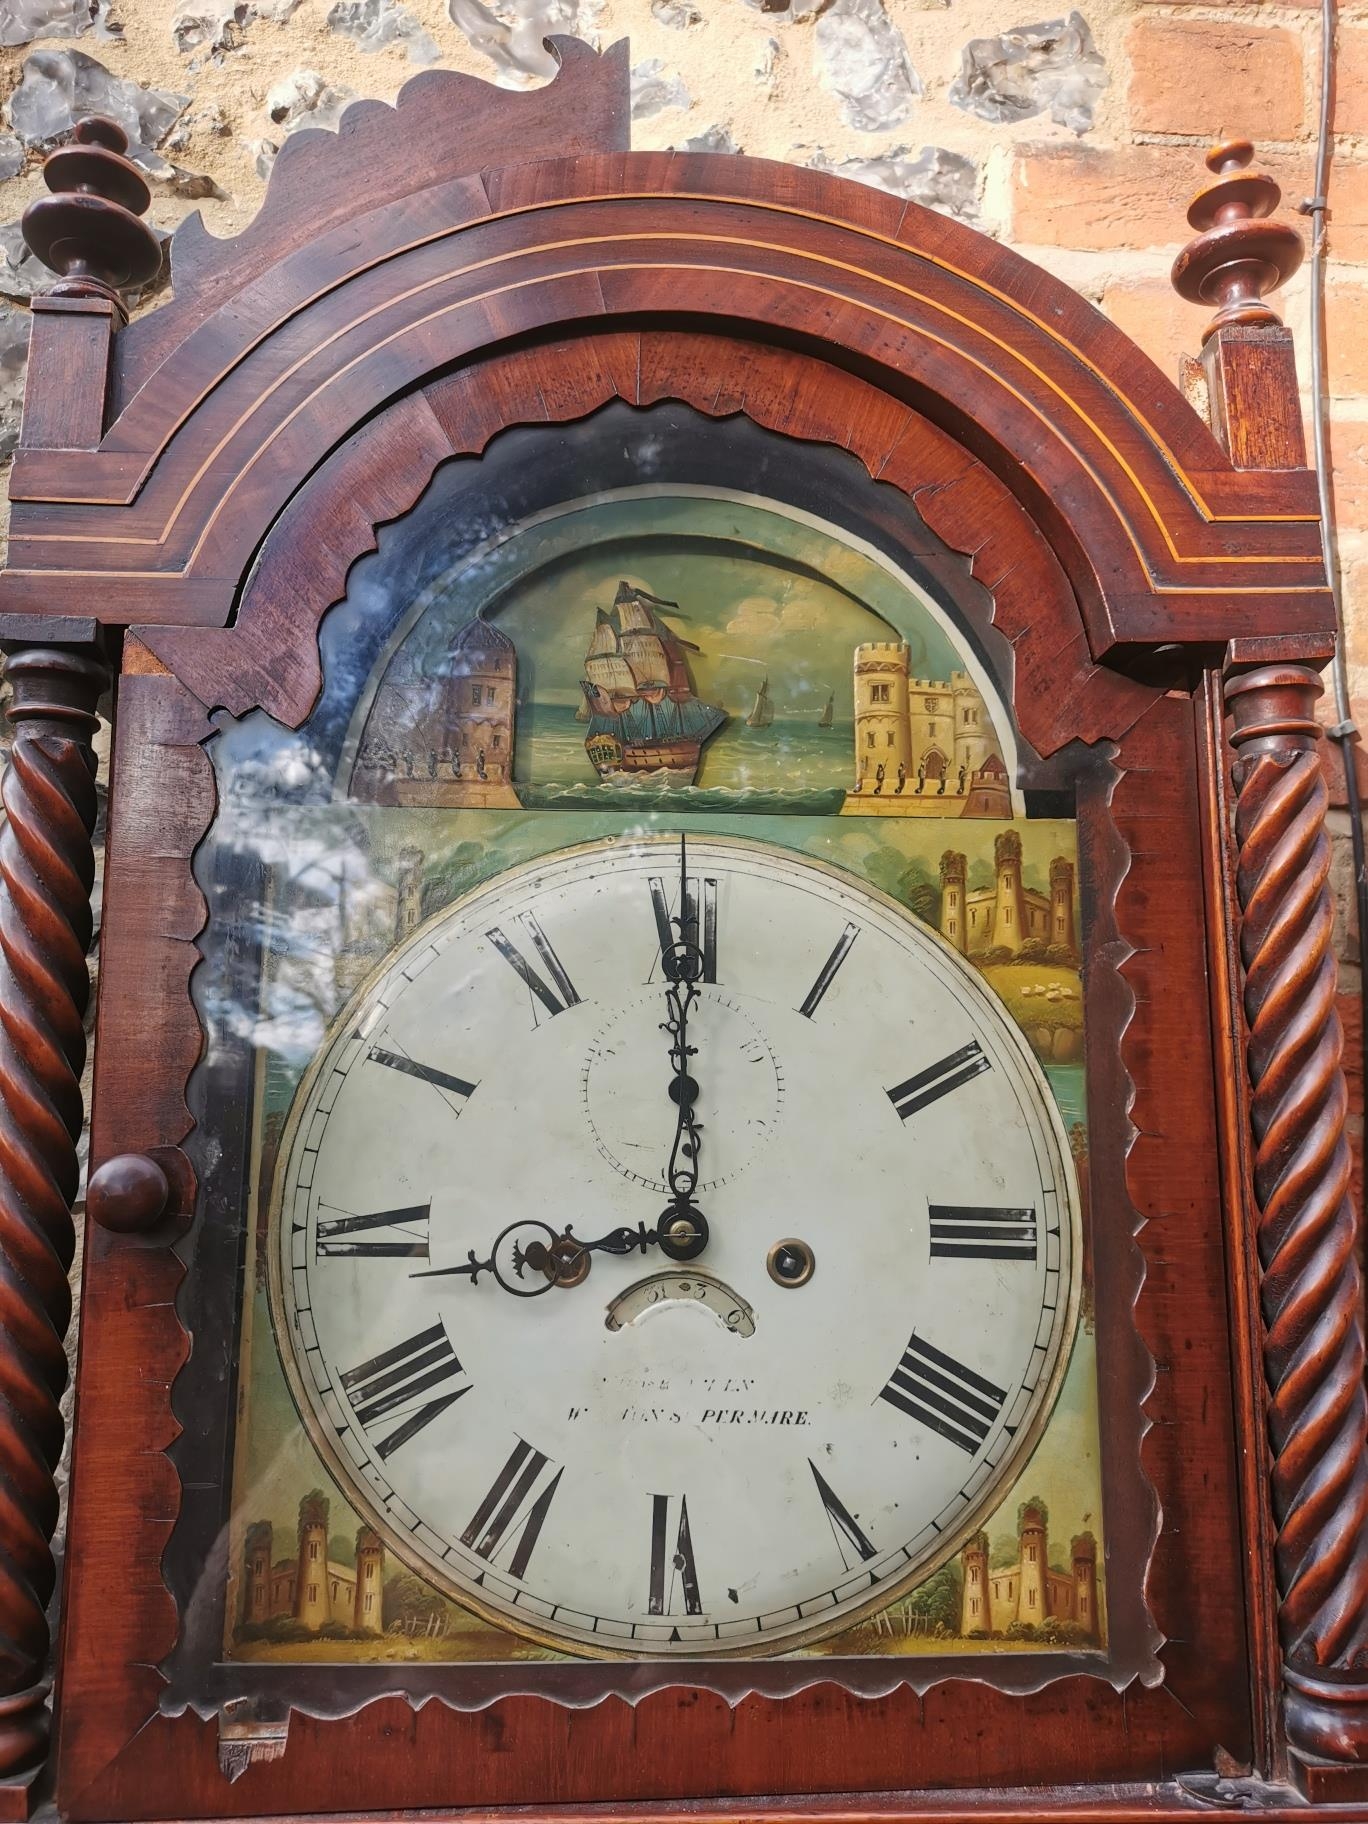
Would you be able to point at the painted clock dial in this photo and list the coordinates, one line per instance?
(732, 1453)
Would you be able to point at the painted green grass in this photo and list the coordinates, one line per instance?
(1007, 980)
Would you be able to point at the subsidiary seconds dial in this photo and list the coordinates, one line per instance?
(729, 1453)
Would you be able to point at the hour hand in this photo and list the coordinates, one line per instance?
(564, 1260)
(513, 1250)
(473, 1269)
(680, 1234)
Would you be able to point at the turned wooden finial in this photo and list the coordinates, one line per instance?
(89, 229)
(1239, 255)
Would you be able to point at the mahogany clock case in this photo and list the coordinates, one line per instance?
(319, 381)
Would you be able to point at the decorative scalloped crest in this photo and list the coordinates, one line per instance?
(443, 124)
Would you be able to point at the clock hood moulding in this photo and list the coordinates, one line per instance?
(223, 401)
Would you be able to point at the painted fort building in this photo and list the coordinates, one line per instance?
(1029, 1592)
(1005, 915)
(927, 743)
(444, 737)
(311, 1587)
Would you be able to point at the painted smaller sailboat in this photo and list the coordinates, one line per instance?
(828, 714)
(762, 710)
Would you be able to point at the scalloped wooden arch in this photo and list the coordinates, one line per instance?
(280, 344)
(267, 659)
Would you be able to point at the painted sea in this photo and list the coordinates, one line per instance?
(551, 767)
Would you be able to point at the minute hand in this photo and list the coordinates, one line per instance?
(682, 1173)
(683, 1229)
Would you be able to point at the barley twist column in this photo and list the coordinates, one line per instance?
(1312, 1290)
(46, 871)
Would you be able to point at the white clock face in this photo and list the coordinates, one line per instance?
(731, 1453)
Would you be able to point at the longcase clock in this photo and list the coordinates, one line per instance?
(717, 1161)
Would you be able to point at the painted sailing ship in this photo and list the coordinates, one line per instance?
(643, 714)
(828, 715)
(762, 710)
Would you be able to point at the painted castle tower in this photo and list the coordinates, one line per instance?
(1006, 914)
(1029, 1592)
(313, 1588)
(312, 1605)
(256, 1597)
(368, 1605)
(410, 892)
(1062, 929)
(480, 680)
(927, 739)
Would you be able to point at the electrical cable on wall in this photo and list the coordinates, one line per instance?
(1343, 730)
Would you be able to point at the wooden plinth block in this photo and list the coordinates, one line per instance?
(1255, 405)
(1333, 1712)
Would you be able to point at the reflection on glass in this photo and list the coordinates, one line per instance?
(592, 678)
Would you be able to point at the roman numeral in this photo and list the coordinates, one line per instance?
(407, 1241)
(845, 1529)
(943, 1394)
(439, 1079)
(828, 971)
(938, 1080)
(555, 998)
(665, 1567)
(393, 1383)
(970, 1231)
(504, 1512)
(706, 937)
